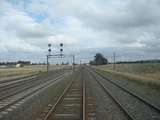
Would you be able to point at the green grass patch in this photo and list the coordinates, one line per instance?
(9, 73)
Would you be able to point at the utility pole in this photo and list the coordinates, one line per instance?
(114, 61)
(73, 62)
(47, 64)
(61, 50)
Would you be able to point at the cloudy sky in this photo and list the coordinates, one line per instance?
(131, 28)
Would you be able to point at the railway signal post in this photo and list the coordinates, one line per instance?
(49, 53)
(60, 55)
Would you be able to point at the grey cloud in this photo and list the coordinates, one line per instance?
(20, 32)
(131, 26)
(125, 22)
(23, 26)
(134, 14)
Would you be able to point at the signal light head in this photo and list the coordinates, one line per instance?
(49, 50)
(49, 45)
(61, 44)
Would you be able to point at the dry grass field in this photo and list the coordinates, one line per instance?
(147, 72)
(7, 73)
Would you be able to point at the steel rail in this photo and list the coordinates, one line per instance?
(131, 93)
(60, 98)
(84, 98)
(15, 82)
(58, 101)
(22, 89)
(27, 95)
(114, 98)
(18, 78)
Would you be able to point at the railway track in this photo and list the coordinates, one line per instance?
(17, 79)
(70, 104)
(131, 93)
(11, 89)
(9, 102)
(76, 103)
(11, 84)
(134, 106)
(16, 87)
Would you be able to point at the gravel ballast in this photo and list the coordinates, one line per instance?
(31, 107)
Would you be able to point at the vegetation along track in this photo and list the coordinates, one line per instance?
(12, 100)
(134, 106)
(70, 104)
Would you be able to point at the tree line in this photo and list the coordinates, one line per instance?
(99, 59)
(138, 61)
(16, 62)
(21, 62)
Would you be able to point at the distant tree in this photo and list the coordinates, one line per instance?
(99, 59)
(91, 62)
(139, 61)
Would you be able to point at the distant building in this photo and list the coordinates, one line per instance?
(18, 65)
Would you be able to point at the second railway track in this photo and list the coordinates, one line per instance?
(136, 107)
(14, 99)
(20, 86)
(86, 95)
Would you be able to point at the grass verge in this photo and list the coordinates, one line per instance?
(133, 77)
